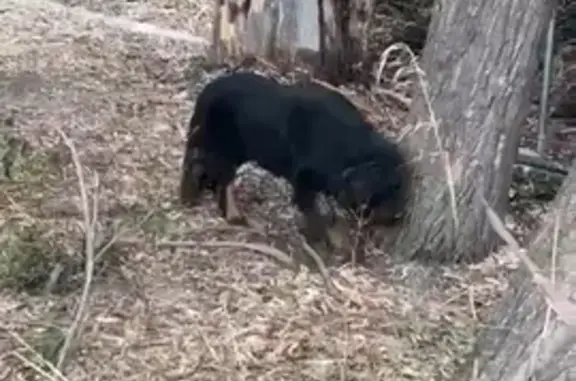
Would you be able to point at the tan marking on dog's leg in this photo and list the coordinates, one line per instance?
(215, 53)
(315, 232)
(192, 170)
(356, 251)
(190, 189)
(228, 206)
(338, 233)
(227, 28)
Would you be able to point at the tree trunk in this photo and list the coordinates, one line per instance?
(565, 93)
(526, 340)
(480, 60)
(228, 25)
(344, 26)
(329, 36)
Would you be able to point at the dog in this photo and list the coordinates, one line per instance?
(309, 135)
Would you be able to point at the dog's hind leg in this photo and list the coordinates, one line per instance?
(356, 252)
(228, 205)
(193, 166)
(223, 173)
(191, 182)
(314, 228)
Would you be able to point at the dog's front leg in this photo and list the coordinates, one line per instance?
(314, 228)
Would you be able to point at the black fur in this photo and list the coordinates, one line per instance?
(310, 135)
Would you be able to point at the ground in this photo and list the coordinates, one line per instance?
(204, 312)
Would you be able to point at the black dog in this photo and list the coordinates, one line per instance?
(312, 136)
(203, 167)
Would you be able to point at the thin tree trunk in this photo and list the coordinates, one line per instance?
(228, 25)
(480, 60)
(329, 36)
(526, 339)
(266, 29)
(343, 37)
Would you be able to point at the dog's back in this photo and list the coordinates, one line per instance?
(236, 85)
(334, 99)
(195, 176)
(326, 130)
(286, 129)
(245, 117)
(345, 155)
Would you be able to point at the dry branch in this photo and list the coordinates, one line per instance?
(560, 297)
(89, 225)
(535, 161)
(321, 269)
(56, 375)
(270, 251)
(531, 334)
(121, 232)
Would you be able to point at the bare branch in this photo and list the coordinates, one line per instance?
(89, 219)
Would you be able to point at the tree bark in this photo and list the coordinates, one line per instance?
(526, 340)
(480, 59)
(565, 94)
(344, 26)
(329, 36)
(228, 17)
(271, 29)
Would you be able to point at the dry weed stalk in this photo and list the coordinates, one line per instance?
(119, 234)
(558, 298)
(270, 251)
(432, 123)
(321, 269)
(56, 375)
(89, 225)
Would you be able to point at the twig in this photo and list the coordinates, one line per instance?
(89, 250)
(263, 249)
(472, 304)
(543, 117)
(41, 358)
(547, 317)
(402, 99)
(434, 123)
(559, 298)
(116, 237)
(321, 269)
(526, 158)
(259, 248)
(34, 366)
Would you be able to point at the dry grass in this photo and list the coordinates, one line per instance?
(194, 313)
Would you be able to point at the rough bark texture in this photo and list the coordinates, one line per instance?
(519, 343)
(564, 95)
(288, 31)
(271, 29)
(480, 59)
(229, 27)
(344, 37)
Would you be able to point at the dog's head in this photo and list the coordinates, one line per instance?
(377, 189)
